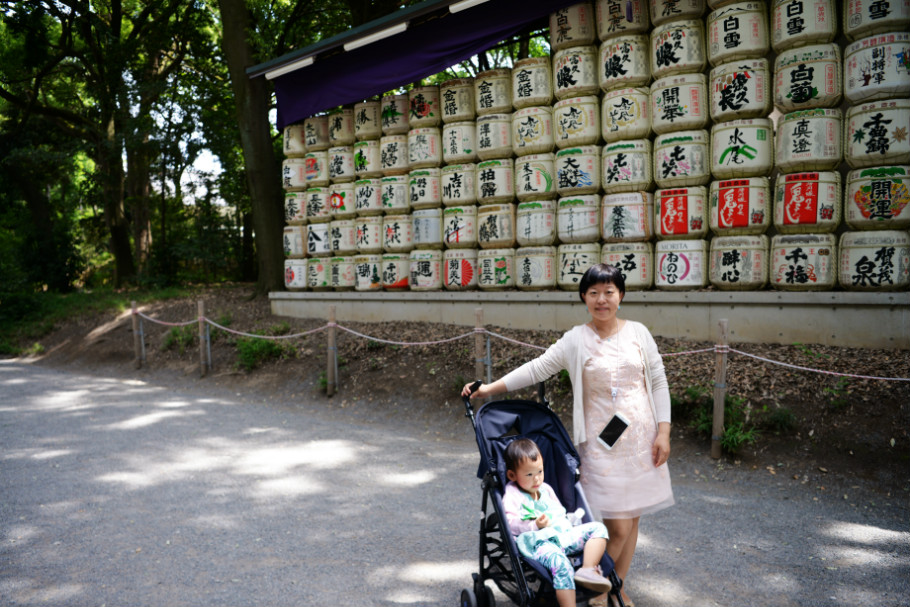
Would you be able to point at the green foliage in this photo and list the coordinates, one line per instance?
(779, 421)
(253, 352)
(697, 406)
(180, 338)
(839, 393)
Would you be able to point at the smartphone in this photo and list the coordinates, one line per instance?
(613, 430)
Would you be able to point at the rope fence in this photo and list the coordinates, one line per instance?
(483, 359)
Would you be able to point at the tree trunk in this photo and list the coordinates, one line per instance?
(138, 188)
(110, 169)
(252, 98)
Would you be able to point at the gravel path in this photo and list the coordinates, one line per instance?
(124, 492)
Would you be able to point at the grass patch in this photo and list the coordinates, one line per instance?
(253, 352)
(696, 405)
(180, 338)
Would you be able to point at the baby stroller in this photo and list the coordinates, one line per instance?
(524, 581)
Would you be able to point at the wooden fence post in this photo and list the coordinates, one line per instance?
(137, 343)
(479, 357)
(200, 310)
(720, 390)
(331, 355)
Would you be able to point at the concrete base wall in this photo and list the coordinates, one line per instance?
(862, 320)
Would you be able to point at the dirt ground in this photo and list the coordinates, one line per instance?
(813, 426)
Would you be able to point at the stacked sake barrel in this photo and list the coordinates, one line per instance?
(295, 232)
(875, 253)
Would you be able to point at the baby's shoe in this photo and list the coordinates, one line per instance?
(589, 578)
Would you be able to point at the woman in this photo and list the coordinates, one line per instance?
(614, 367)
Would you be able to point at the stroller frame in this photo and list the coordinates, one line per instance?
(524, 581)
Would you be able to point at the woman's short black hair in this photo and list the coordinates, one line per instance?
(599, 274)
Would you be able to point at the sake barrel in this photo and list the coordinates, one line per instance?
(573, 261)
(294, 239)
(493, 92)
(740, 90)
(878, 198)
(368, 120)
(293, 174)
(423, 106)
(872, 67)
(667, 10)
(317, 205)
(397, 235)
(317, 168)
(621, 17)
(393, 155)
(740, 206)
(426, 227)
(317, 240)
(395, 109)
(459, 142)
(396, 270)
(578, 170)
(456, 97)
(875, 261)
(679, 102)
(627, 166)
(341, 201)
(624, 62)
(341, 270)
(535, 177)
(368, 197)
(494, 136)
(532, 82)
(295, 274)
(578, 218)
(316, 133)
(867, 17)
(739, 263)
(496, 269)
(496, 226)
(459, 227)
(681, 265)
(742, 148)
(424, 148)
(495, 181)
(803, 262)
(575, 72)
(396, 195)
(532, 131)
(738, 31)
(535, 223)
(681, 213)
(625, 114)
(807, 203)
(367, 159)
(341, 237)
(295, 208)
(572, 25)
(627, 217)
(809, 140)
(341, 164)
(802, 22)
(457, 182)
(577, 121)
(319, 274)
(426, 270)
(368, 272)
(368, 234)
(425, 186)
(678, 47)
(634, 260)
(876, 133)
(682, 159)
(808, 77)
(535, 268)
(341, 126)
(294, 142)
(460, 271)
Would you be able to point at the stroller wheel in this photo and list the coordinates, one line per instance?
(488, 599)
(468, 598)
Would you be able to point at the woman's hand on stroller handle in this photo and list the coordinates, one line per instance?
(470, 389)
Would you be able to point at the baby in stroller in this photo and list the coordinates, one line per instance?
(544, 532)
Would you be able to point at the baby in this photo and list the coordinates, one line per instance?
(544, 533)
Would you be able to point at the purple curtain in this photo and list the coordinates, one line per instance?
(421, 51)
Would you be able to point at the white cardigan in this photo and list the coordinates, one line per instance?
(569, 353)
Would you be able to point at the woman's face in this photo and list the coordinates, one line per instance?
(603, 301)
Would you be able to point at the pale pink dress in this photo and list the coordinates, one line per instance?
(620, 483)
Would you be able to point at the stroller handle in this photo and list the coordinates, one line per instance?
(469, 410)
